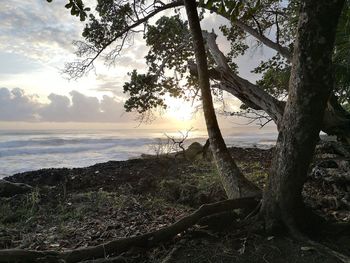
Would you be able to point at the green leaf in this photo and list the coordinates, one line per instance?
(80, 4)
(82, 16)
(210, 3)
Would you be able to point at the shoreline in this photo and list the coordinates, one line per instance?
(36, 150)
(141, 156)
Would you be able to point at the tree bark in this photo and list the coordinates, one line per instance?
(310, 86)
(336, 120)
(235, 184)
(246, 91)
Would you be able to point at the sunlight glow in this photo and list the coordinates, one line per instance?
(180, 110)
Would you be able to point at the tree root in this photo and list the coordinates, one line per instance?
(117, 246)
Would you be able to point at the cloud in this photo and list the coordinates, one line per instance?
(44, 32)
(15, 105)
(112, 84)
(37, 29)
(129, 61)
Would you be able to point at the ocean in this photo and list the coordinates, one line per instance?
(27, 150)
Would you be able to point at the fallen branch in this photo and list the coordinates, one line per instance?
(118, 246)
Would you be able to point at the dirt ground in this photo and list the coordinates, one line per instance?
(71, 208)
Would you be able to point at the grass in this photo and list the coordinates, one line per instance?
(193, 188)
(198, 186)
(24, 209)
(77, 216)
(254, 171)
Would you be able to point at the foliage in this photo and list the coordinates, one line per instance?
(144, 92)
(114, 23)
(275, 76)
(168, 40)
(76, 8)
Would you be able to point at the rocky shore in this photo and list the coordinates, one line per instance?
(71, 208)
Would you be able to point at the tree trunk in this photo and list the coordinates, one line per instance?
(244, 90)
(235, 184)
(310, 86)
(336, 120)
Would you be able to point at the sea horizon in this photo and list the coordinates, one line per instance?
(34, 149)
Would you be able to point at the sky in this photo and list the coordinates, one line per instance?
(36, 41)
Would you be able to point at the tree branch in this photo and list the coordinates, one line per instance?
(242, 88)
(78, 71)
(284, 51)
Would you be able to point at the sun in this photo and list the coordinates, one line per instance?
(180, 110)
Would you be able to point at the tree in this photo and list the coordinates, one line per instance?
(168, 39)
(235, 184)
(170, 48)
(253, 18)
(118, 20)
(310, 86)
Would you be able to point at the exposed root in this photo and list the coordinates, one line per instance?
(117, 246)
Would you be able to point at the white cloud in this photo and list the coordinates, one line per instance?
(37, 29)
(15, 105)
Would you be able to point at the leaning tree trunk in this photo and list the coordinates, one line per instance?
(336, 120)
(310, 86)
(235, 184)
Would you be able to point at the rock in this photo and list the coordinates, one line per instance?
(8, 189)
(194, 150)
